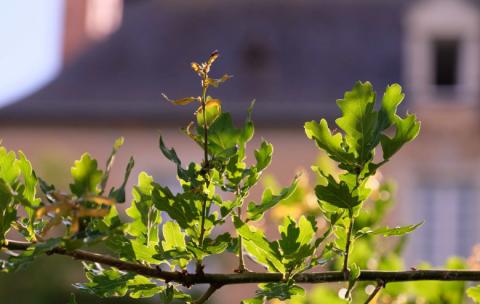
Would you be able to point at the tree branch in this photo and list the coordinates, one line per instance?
(220, 279)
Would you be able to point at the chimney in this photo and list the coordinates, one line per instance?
(87, 22)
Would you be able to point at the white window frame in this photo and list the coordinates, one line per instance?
(448, 228)
(430, 20)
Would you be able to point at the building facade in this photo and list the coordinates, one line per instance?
(295, 59)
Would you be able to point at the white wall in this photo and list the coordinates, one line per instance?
(30, 46)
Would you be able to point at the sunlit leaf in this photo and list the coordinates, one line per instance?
(474, 293)
(119, 194)
(173, 237)
(216, 82)
(213, 109)
(33, 252)
(269, 200)
(359, 120)
(73, 299)
(397, 231)
(146, 219)
(281, 291)
(86, 176)
(182, 101)
(338, 194)
(259, 247)
(406, 130)
(263, 155)
(331, 143)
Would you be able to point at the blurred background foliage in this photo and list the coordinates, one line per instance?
(371, 252)
(48, 281)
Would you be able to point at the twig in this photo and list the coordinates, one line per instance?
(380, 285)
(207, 294)
(241, 262)
(347, 246)
(189, 279)
(206, 168)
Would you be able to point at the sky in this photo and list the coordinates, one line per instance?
(30, 46)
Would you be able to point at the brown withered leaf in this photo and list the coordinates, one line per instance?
(183, 101)
(197, 68)
(65, 206)
(211, 60)
(216, 82)
(100, 200)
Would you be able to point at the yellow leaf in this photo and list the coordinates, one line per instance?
(181, 102)
(92, 212)
(213, 109)
(212, 59)
(100, 200)
(196, 67)
(75, 226)
(216, 82)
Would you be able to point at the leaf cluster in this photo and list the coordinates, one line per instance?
(212, 213)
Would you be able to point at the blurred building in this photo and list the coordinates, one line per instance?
(295, 58)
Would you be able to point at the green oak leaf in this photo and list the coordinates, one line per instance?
(174, 247)
(359, 120)
(474, 293)
(146, 219)
(86, 176)
(353, 275)
(25, 258)
(263, 155)
(297, 241)
(171, 294)
(73, 299)
(364, 128)
(269, 200)
(112, 282)
(282, 291)
(258, 300)
(9, 171)
(333, 144)
(143, 287)
(170, 154)
(119, 194)
(397, 231)
(184, 207)
(173, 238)
(116, 146)
(246, 133)
(223, 137)
(256, 244)
(339, 194)
(406, 130)
(29, 179)
(392, 98)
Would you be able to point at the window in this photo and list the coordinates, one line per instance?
(441, 57)
(256, 56)
(445, 64)
(449, 213)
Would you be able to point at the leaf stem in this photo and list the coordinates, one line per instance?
(210, 291)
(380, 285)
(206, 166)
(241, 263)
(347, 245)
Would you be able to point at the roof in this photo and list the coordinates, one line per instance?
(294, 58)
